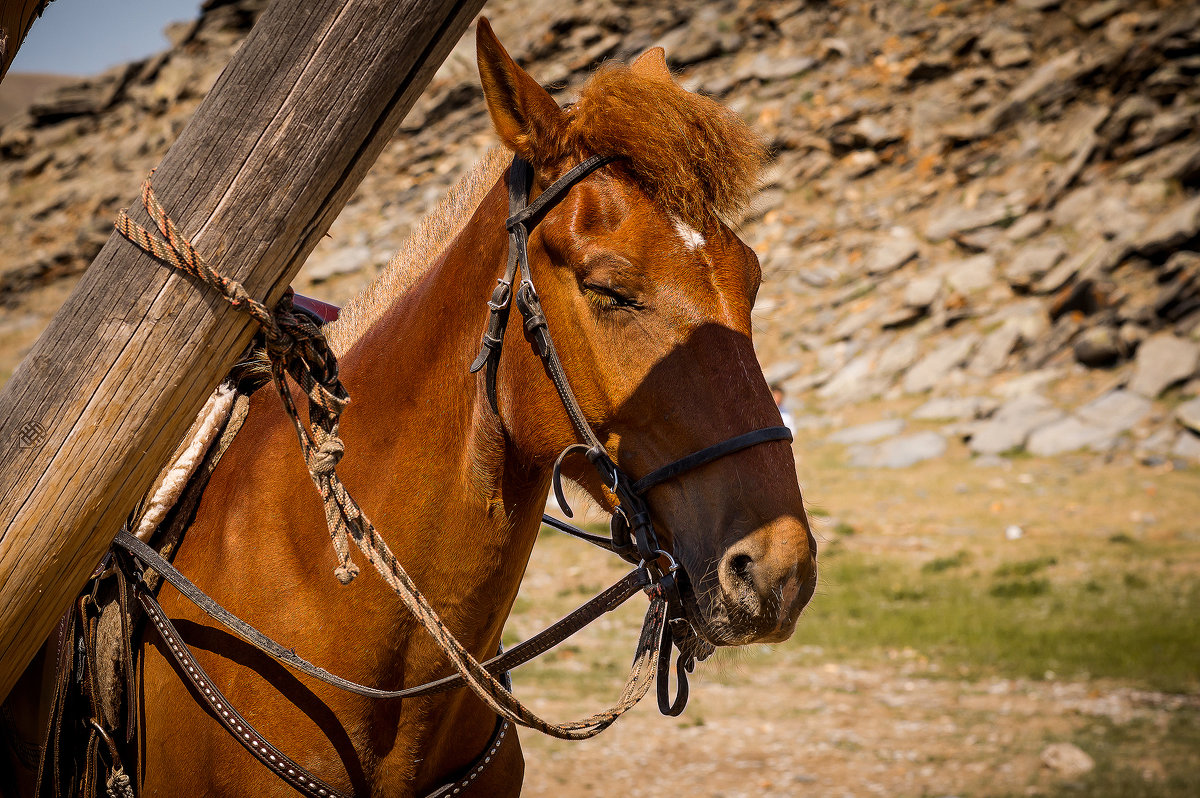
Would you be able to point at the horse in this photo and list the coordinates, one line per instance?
(649, 292)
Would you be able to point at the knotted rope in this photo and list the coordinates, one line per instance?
(297, 347)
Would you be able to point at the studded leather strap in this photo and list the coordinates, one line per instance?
(278, 762)
(218, 705)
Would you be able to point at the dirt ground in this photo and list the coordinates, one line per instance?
(801, 719)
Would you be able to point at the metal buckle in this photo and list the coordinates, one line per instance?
(504, 290)
(672, 568)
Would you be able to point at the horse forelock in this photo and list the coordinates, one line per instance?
(429, 239)
(696, 158)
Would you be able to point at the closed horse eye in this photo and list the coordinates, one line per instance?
(610, 297)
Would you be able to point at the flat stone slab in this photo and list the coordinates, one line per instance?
(1162, 361)
(865, 433)
(1188, 414)
(1067, 435)
(972, 274)
(853, 382)
(922, 291)
(955, 409)
(893, 251)
(1116, 411)
(1187, 446)
(899, 452)
(931, 369)
(1012, 424)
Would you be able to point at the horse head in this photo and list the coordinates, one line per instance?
(648, 293)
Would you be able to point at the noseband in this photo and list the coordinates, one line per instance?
(633, 535)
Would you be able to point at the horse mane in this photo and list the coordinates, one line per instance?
(419, 252)
(696, 158)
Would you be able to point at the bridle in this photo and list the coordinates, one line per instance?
(633, 536)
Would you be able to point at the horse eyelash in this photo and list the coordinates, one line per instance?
(606, 299)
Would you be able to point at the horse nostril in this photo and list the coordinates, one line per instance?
(737, 578)
(740, 566)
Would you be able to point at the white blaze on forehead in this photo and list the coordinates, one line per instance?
(690, 237)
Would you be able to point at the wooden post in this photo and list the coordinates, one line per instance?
(16, 18)
(255, 179)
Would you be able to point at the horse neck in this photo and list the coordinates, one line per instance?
(463, 508)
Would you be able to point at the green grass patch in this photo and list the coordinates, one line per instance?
(843, 529)
(1139, 759)
(1025, 567)
(1146, 633)
(939, 564)
(1020, 588)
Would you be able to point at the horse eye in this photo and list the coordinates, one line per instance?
(610, 297)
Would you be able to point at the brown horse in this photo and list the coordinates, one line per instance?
(649, 295)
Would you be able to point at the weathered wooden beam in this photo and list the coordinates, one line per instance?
(255, 179)
(16, 18)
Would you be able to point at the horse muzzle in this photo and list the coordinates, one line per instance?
(758, 588)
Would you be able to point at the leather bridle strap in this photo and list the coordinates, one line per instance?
(633, 534)
(500, 665)
(527, 217)
(710, 453)
(219, 707)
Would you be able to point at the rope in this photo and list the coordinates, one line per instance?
(297, 347)
(119, 784)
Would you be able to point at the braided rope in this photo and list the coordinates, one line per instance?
(297, 347)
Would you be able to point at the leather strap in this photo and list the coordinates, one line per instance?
(479, 765)
(259, 747)
(514, 657)
(710, 453)
(522, 219)
(576, 532)
(219, 707)
(536, 210)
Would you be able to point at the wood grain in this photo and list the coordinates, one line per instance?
(255, 179)
(16, 18)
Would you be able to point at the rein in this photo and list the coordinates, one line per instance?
(297, 347)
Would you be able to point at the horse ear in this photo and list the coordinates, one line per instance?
(525, 116)
(652, 65)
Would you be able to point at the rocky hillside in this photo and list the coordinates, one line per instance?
(982, 225)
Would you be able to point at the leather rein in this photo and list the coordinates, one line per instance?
(632, 537)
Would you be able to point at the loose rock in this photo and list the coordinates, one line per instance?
(1067, 435)
(955, 409)
(1188, 414)
(933, 368)
(897, 248)
(1067, 760)
(1098, 347)
(865, 433)
(900, 452)
(1010, 427)
(1162, 361)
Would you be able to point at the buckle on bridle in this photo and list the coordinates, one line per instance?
(651, 565)
(501, 295)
